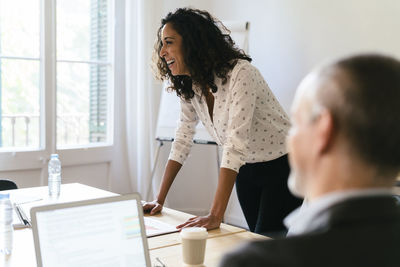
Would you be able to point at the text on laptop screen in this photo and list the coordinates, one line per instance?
(106, 234)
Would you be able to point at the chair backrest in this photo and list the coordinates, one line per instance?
(7, 185)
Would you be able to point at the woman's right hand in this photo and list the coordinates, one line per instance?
(152, 207)
(170, 172)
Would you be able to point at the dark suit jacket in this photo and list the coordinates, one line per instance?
(357, 232)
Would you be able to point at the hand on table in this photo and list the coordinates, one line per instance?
(209, 222)
(152, 207)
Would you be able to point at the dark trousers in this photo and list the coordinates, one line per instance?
(264, 195)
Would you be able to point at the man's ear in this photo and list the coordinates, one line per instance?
(324, 127)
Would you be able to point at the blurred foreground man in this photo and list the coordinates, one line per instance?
(344, 150)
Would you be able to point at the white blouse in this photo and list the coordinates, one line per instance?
(248, 122)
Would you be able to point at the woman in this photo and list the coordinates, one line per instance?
(217, 84)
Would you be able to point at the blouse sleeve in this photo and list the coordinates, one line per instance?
(184, 133)
(241, 111)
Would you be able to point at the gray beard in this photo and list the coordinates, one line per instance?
(294, 185)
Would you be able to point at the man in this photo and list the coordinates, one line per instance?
(345, 155)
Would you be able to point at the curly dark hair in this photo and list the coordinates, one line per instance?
(207, 51)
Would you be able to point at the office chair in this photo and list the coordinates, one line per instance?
(7, 185)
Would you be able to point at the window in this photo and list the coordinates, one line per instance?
(83, 72)
(20, 74)
(80, 84)
(56, 82)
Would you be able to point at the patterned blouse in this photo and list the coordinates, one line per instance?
(248, 122)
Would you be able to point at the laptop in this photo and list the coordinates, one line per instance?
(98, 232)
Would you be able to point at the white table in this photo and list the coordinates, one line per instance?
(166, 247)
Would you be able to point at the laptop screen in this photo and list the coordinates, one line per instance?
(101, 234)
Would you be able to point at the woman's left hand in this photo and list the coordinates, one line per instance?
(209, 221)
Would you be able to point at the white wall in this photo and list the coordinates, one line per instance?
(287, 39)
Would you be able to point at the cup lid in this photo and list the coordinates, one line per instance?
(194, 232)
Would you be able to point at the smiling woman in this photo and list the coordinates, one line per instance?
(171, 51)
(205, 50)
(217, 84)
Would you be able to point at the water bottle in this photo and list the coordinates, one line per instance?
(54, 169)
(6, 228)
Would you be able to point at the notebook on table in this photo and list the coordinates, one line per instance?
(98, 232)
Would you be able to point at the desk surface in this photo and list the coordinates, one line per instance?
(175, 217)
(166, 247)
(215, 248)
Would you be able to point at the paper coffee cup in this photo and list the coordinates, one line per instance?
(193, 245)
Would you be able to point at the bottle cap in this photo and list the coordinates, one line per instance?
(5, 196)
(54, 156)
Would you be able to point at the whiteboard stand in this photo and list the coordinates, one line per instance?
(153, 169)
(161, 141)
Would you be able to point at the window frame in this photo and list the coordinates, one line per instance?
(23, 159)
